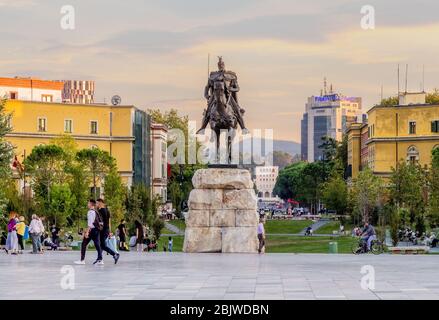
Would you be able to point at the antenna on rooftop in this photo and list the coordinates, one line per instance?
(398, 79)
(382, 97)
(423, 78)
(406, 76)
(325, 86)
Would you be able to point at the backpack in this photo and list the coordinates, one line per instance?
(99, 222)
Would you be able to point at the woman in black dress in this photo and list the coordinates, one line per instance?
(139, 235)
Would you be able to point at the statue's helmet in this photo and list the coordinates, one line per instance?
(221, 65)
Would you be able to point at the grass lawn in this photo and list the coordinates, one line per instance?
(179, 224)
(177, 245)
(288, 244)
(286, 226)
(328, 228)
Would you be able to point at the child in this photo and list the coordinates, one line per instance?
(170, 243)
(21, 228)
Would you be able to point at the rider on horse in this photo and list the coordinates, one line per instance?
(227, 81)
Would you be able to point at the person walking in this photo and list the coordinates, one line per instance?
(106, 231)
(139, 236)
(36, 229)
(261, 235)
(94, 226)
(122, 235)
(12, 239)
(21, 228)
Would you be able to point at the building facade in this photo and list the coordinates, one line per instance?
(123, 131)
(78, 91)
(326, 115)
(159, 160)
(408, 131)
(265, 180)
(31, 89)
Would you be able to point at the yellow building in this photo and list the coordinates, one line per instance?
(407, 132)
(123, 131)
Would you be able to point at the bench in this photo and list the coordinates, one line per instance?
(409, 250)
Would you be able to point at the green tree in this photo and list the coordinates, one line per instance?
(366, 194)
(6, 152)
(409, 189)
(180, 179)
(114, 192)
(288, 181)
(311, 181)
(97, 163)
(433, 204)
(61, 204)
(389, 102)
(335, 192)
(46, 165)
(432, 97)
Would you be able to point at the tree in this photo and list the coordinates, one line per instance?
(389, 102)
(46, 165)
(288, 181)
(114, 192)
(433, 203)
(6, 151)
(282, 159)
(335, 192)
(367, 194)
(409, 189)
(180, 179)
(432, 97)
(61, 204)
(97, 163)
(312, 178)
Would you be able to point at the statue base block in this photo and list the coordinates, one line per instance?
(222, 213)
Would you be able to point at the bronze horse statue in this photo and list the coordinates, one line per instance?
(223, 111)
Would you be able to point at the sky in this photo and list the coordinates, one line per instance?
(154, 53)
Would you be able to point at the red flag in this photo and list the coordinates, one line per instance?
(17, 165)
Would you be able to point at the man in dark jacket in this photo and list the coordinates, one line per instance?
(106, 231)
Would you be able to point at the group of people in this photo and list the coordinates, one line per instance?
(18, 232)
(141, 239)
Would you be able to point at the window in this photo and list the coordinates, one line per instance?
(47, 98)
(435, 126)
(412, 127)
(412, 155)
(68, 126)
(93, 127)
(42, 124)
(13, 95)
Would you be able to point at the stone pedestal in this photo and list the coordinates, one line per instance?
(222, 213)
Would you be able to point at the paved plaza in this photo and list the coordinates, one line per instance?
(219, 276)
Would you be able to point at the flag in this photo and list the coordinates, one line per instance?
(17, 165)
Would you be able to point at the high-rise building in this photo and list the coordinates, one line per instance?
(78, 91)
(327, 115)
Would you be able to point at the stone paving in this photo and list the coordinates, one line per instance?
(176, 276)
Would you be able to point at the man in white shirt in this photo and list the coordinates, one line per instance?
(36, 229)
(91, 233)
(261, 235)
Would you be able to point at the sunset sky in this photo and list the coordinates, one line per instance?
(154, 53)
